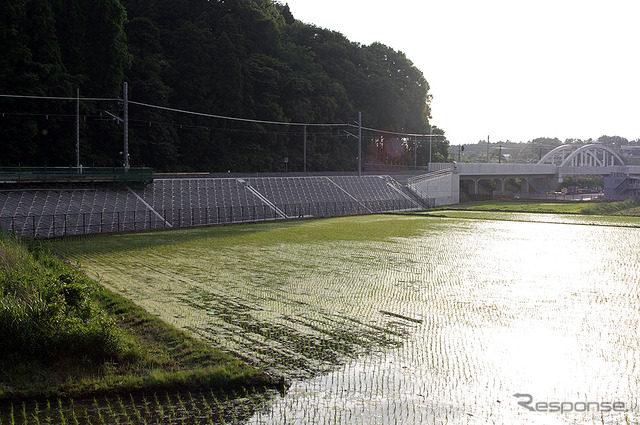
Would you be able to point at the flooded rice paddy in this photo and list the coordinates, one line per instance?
(392, 319)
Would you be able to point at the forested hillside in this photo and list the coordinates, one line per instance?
(241, 58)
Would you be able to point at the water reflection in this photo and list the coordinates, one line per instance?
(411, 320)
(547, 310)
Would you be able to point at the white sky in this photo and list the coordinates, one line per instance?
(511, 69)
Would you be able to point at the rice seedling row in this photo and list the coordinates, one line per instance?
(392, 319)
(158, 408)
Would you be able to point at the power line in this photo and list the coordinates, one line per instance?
(282, 122)
(17, 96)
(202, 114)
(375, 130)
(141, 123)
(223, 117)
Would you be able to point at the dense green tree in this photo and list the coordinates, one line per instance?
(151, 141)
(53, 47)
(31, 64)
(613, 141)
(18, 144)
(244, 58)
(107, 55)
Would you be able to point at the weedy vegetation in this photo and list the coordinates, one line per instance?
(64, 335)
(48, 315)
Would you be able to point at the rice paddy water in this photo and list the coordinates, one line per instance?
(391, 319)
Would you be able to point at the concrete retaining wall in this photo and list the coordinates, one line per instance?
(441, 190)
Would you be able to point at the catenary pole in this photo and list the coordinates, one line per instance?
(78, 128)
(359, 143)
(126, 125)
(430, 143)
(487, 149)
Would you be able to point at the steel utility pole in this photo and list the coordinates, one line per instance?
(533, 151)
(359, 143)
(430, 149)
(78, 129)
(126, 126)
(304, 150)
(487, 149)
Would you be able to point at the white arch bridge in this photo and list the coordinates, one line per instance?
(565, 160)
(581, 159)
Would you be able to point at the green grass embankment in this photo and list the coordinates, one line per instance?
(64, 335)
(629, 207)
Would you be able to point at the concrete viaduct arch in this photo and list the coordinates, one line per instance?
(565, 160)
(582, 156)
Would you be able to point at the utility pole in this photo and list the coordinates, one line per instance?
(78, 129)
(533, 151)
(430, 142)
(304, 149)
(126, 126)
(487, 149)
(359, 143)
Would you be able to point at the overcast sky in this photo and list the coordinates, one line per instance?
(511, 69)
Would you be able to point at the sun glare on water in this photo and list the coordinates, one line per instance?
(444, 322)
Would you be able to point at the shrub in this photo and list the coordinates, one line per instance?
(611, 207)
(46, 310)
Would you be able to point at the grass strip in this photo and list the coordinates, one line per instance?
(628, 207)
(151, 355)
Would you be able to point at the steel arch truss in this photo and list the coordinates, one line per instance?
(582, 156)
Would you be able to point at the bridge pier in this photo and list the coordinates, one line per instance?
(544, 176)
(544, 184)
(473, 187)
(470, 185)
(524, 185)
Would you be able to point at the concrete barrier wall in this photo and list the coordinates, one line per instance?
(440, 166)
(479, 169)
(592, 171)
(187, 202)
(443, 190)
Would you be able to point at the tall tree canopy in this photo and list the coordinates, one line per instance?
(241, 58)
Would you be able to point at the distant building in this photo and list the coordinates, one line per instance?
(618, 187)
(630, 151)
